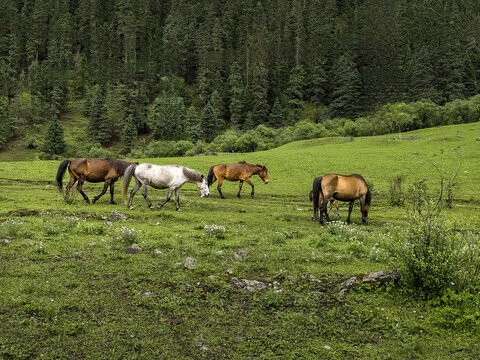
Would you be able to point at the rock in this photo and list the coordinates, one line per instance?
(130, 251)
(190, 263)
(311, 278)
(136, 247)
(92, 244)
(478, 139)
(353, 281)
(379, 276)
(250, 285)
(240, 254)
(118, 216)
(158, 252)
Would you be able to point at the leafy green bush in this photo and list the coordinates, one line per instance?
(396, 194)
(430, 257)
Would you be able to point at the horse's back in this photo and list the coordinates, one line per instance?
(234, 171)
(94, 170)
(158, 176)
(344, 187)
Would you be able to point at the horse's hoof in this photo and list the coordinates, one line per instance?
(179, 209)
(131, 207)
(151, 207)
(87, 201)
(113, 203)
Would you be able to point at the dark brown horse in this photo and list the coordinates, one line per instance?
(91, 170)
(342, 188)
(240, 171)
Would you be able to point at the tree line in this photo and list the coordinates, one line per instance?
(189, 70)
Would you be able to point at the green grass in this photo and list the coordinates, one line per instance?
(70, 289)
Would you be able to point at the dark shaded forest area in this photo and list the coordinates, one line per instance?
(187, 70)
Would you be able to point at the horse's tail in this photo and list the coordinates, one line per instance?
(127, 176)
(60, 172)
(211, 177)
(316, 191)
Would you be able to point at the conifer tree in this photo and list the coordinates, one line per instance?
(259, 93)
(278, 115)
(54, 142)
(346, 88)
(209, 123)
(129, 135)
(99, 127)
(193, 131)
(165, 118)
(236, 92)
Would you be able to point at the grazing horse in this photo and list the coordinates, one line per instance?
(342, 188)
(240, 171)
(171, 177)
(333, 202)
(91, 170)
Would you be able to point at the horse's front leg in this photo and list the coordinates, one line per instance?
(323, 210)
(219, 187)
(350, 207)
(169, 195)
(177, 199)
(240, 184)
(104, 190)
(362, 209)
(80, 190)
(144, 193)
(253, 187)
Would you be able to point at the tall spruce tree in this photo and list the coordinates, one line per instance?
(165, 118)
(99, 127)
(346, 95)
(54, 143)
(209, 123)
(193, 131)
(129, 135)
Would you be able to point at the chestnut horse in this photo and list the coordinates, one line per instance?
(91, 170)
(342, 188)
(241, 171)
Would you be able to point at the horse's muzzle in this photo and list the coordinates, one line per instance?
(266, 182)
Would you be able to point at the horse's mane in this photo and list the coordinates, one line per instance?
(192, 174)
(119, 165)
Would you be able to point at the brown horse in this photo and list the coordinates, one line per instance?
(333, 202)
(241, 171)
(91, 170)
(342, 188)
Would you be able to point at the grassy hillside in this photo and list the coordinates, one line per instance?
(73, 288)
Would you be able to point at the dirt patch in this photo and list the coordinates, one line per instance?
(407, 138)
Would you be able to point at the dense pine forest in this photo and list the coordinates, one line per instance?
(197, 72)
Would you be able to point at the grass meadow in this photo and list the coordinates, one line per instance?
(72, 286)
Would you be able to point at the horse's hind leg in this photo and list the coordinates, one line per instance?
(112, 191)
(80, 190)
(169, 195)
(104, 190)
(323, 210)
(72, 181)
(177, 199)
(133, 192)
(350, 207)
(240, 184)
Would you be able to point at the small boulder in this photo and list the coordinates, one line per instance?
(250, 285)
(190, 263)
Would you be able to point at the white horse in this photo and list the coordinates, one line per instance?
(171, 177)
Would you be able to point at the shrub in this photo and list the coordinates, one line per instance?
(396, 195)
(430, 257)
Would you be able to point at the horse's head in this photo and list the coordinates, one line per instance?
(263, 174)
(203, 187)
